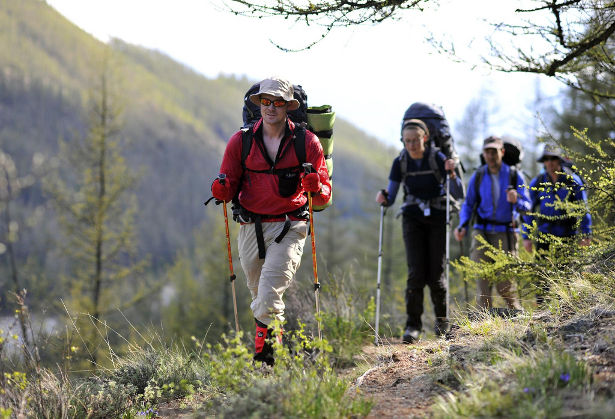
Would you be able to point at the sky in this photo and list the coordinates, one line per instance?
(370, 74)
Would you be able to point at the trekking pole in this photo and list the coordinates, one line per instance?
(382, 212)
(222, 180)
(448, 236)
(307, 167)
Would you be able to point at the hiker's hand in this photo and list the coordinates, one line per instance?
(511, 196)
(381, 198)
(585, 241)
(311, 182)
(221, 191)
(527, 244)
(459, 233)
(449, 166)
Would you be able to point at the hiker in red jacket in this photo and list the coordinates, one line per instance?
(273, 203)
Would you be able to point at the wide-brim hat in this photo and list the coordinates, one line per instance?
(278, 87)
(549, 151)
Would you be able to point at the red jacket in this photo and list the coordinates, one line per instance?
(259, 191)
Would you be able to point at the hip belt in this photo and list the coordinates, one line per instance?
(243, 216)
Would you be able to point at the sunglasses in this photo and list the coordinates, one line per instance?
(277, 103)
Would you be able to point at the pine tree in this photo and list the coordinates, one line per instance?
(97, 211)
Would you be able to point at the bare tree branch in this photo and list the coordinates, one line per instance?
(329, 14)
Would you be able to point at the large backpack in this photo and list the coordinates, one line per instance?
(438, 126)
(318, 119)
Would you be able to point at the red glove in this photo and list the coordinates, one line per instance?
(311, 182)
(221, 191)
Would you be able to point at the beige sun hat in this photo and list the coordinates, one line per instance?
(279, 87)
(550, 150)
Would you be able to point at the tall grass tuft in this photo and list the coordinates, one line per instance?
(302, 383)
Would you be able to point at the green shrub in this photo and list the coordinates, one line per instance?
(302, 382)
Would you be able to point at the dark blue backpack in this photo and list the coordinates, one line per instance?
(439, 129)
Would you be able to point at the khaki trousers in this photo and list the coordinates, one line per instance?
(268, 278)
(507, 289)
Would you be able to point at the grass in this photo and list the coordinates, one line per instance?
(495, 367)
(302, 383)
(222, 377)
(521, 367)
(534, 385)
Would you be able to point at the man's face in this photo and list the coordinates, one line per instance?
(273, 114)
(552, 165)
(493, 157)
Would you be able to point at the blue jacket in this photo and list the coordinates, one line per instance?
(544, 194)
(503, 212)
(424, 186)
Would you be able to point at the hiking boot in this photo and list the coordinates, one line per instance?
(441, 327)
(263, 351)
(263, 347)
(411, 335)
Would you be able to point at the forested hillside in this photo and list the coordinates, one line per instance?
(164, 259)
(115, 298)
(175, 125)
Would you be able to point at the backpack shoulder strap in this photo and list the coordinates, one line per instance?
(403, 164)
(433, 164)
(513, 177)
(299, 143)
(540, 180)
(479, 178)
(246, 144)
(477, 181)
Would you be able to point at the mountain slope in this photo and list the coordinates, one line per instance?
(176, 122)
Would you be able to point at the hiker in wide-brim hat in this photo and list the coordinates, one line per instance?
(556, 183)
(271, 189)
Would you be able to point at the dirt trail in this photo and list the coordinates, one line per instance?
(403, 383)
(401, 386)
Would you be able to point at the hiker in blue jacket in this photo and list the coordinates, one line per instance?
(496, 197)
(422, 170)
(555, 195)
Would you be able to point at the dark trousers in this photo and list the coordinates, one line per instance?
(425, 240)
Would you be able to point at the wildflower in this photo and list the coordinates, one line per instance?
(526, 390)
(565, 377)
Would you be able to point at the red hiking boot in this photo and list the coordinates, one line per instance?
(263, 348)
